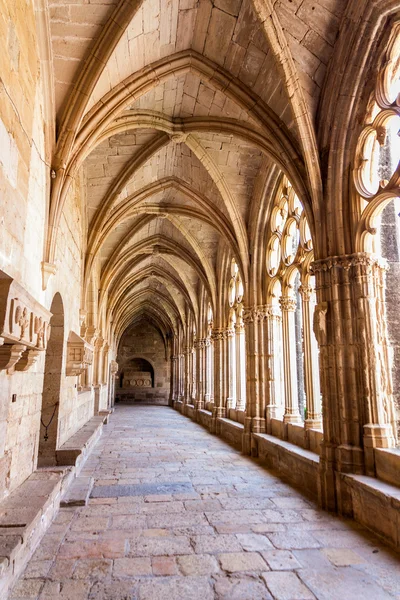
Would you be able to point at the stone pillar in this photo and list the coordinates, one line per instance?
(230, 368)
(275, 393)
(199, 349)
(350, 326)
(254, 420)
(240, 367)
(173, 395)
(291, 414)
(207, 371)
(187, 375)
(218, 336)
(181, 377)
(311, 371)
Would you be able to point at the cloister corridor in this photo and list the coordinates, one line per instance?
(176, 513)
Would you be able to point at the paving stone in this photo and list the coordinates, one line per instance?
(281, 560)
(131, 567)
(342, 557)
(253, 541)
(148, 489)
(287, 586)
(241, 561)
(212, 544)
(241, 588)
(164, 565)
(92, 569)
(293, 540)
(176, 588)
(348, 583)
(198, 564)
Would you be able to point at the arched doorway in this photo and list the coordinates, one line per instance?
(52, 386)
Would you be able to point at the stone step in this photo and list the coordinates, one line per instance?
(24, 517)
(76, 449)
(78, 493)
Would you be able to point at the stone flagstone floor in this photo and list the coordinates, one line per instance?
(177, 514)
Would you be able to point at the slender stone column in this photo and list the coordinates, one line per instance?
(311, 371)
(350, 326)
(240, 366)
(199, 348)
(187, 377)
(219, 337)
(181, 378)
(230, 367)
(288, 306)
(254, 420)
(207, 371)
(174, 380)
(275, 394)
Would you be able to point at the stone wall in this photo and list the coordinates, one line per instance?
(24, 190)
(143, 341)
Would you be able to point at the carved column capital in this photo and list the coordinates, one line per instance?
(273, 312)
(306, 292)
(288, 303)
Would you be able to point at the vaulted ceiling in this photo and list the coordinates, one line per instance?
(173, 113)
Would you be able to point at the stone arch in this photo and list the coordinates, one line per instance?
(49, 416)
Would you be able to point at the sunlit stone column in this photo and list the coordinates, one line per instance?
(219, 337)
(311, 368)
(288, 307)
(207, 371)
(240, 366)
(275, 405)
(230, 368)
(254, 420)
(350, 326)
(199, 348)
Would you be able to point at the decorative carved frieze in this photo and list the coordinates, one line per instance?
(24, 325)
(79, 355)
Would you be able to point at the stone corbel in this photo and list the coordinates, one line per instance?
(28, 358)
(24, 326)
(79, 355)
(91, 335)
(48, 269)
(10, 354)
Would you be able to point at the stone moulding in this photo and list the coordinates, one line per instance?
(24, 326)
(79, 355)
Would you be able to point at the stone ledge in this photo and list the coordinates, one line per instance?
(376, 505)
(24, 517)
(300, 466)
(387, 464)
(231, 431)
(75, 450)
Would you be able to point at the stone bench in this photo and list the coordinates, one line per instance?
(24, 517)
(76, 449)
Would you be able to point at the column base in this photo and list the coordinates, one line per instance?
(292, 418)
(313, 424)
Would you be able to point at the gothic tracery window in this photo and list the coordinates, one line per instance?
(294, 354)
(377, 178)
